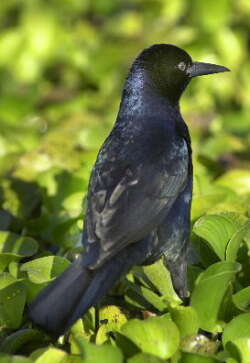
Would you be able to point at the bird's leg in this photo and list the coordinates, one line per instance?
(178, 272)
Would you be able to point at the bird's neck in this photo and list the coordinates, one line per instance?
(141, 99)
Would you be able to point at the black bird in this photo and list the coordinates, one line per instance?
(140, 191)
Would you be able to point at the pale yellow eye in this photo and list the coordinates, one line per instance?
(181, 66)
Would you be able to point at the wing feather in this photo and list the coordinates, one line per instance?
(126, 202)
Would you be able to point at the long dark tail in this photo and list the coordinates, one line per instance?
(68, 297)
(56, 303)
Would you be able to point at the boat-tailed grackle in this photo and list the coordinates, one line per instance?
(140, 191)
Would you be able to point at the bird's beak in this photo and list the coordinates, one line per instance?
(200, 69)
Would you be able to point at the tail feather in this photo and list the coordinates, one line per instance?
(53, 307)
(101, 283)
(67, 298)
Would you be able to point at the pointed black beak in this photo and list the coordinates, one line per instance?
(200, 69)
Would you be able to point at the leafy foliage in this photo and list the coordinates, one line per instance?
(62, 65)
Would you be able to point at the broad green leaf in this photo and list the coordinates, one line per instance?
(45, 268)
(80, 329)
(196, 358)
(12, 243)
(157, 335)
(241, 299)
(12, 300)
(14, 342)
(5, 358)
(240, 349)
(6, 279)
(5, 260)
(33, 289)
(37, 353)
(52, 355)
(235, 242)
(201, 204)
(93, 353)
(145, 358)
(237, 328)
(186, 319)
(160, 277)
(223, 232)
(126, 345)
(210, 289)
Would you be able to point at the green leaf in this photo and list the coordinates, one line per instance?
(196, 358)
(12, 300)
(5, 358)
(186, 319)
(235, 242)
(145, 358)
(160, 277)
(5, 260)
(241, 299)
(210, 289)
(239, 327)
(240, 349)
(93, 353)
(52, 355)
(33, 289)
(14, 342)
(223, 232)
(15, 245)
(143, 298)
(203, 202)
(45, 269)
(6, 279)
(157, 335)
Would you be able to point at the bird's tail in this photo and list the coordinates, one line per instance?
(68, 297)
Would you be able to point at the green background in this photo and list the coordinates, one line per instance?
(63, 64)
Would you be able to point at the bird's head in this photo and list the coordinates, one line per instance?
(170, 69)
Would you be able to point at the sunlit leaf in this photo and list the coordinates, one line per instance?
(12, 300)
(160, 277)
(45, 268)
(240, 349)
(157, 335)
(91, 352)
(145, 358)
(196, 358)
(223, 232)
(186, 319)
(5, 358)
(237, 328)
(208, 294)
(241, 299)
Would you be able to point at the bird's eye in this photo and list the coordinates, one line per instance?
(181, 66)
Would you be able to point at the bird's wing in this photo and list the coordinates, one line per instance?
(126, 202)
